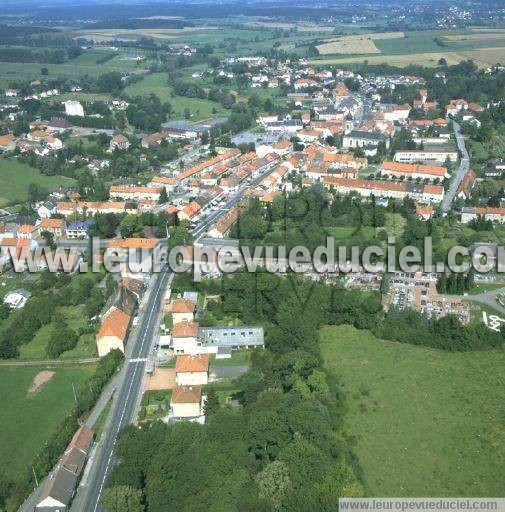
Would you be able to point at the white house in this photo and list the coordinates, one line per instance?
(73, 108)
(17, 299)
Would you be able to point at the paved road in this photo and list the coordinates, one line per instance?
(123, 409)
(129, 389)
(207, 222)
(463, 168)
(488, 298)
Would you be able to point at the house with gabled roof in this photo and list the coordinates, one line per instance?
(192, 370)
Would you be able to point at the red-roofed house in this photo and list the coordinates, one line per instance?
(191, 370)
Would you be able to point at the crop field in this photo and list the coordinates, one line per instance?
(483, 58)
(357, 44)
(426, 48)
(29, 418)
(16, 176)
(424, 422)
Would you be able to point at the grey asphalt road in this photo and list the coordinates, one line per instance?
(488, 298)
(123, 409)
(463, 168)
(206, 223)
(129, 388)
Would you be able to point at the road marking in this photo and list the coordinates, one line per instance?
(127, 398)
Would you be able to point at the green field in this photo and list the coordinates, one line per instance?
(26, 422)
(85, 64)
(426, 47)
(426, 422)
(76, 320)
(16, 176)
(157, 84)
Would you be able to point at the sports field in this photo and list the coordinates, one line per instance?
(16, 176)
(28, 419)
(425, 422)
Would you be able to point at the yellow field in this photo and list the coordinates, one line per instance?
(483, 58)
(359, 44)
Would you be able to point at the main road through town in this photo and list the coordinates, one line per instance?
(124, 406)
(129, 388)
(464, 167)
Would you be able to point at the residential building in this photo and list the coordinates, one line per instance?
(60, 486)
(119, 142)
(79, 229)
(17, 298)
(183, 310)
(186, 402)
(368, 188)
(487, 213)
(113, 332)
(134, 193)
(73, 108)
(54, 226)
(184, 338)
(192, 370)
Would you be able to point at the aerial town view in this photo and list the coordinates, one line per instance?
(252, 255)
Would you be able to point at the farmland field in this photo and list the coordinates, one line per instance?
(425, 422)
(16, 176)
(359, 44)
(483, 57)
(28, 420)
(419, 47)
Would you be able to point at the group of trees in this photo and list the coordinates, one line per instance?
(456, 283)
(446, 333)
(147, 112)
(282, 450)
(51, 293)
(305, 218)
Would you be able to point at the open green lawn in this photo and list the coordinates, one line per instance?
(426, 422)
(27, 422)
(16, 176)
(36, 348)
(157, 83)
(238, 358)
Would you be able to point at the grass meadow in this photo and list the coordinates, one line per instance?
(425, 422)
(157, 83)
(28, 420)
(16, 176)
